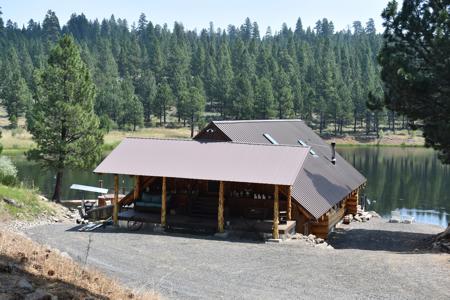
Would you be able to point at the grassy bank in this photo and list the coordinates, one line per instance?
(29, 205)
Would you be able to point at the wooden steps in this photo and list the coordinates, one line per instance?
(129, 198)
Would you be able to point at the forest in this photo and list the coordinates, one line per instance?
(147, 74)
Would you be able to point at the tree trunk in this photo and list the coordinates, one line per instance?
(367, 123)
(192, 126)
(354, 124)
(164, 108)
(57, 193)
(377, 125)
(393, 121)
(321, 123)
(335, 125)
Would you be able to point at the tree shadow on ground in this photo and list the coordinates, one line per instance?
(381, 240)
(12, 270)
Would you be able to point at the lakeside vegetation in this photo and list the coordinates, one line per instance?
(28, 204)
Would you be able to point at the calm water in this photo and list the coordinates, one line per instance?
(409, 179)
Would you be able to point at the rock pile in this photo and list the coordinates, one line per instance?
(61, 214)
(312, 240)
(442, 241)
(360, 216)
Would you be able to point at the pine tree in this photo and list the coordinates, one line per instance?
(14, 92)
(50, 27)
(264, 99)
(146, 91)
(132, 110)
(224, 81)
(283, 96)
(164, 98)
(195, 103)
(416, 68)
(63, 113)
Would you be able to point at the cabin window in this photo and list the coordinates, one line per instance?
(270, 138)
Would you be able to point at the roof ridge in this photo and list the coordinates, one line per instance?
(158, 138)
(257, 121)
(212, 141)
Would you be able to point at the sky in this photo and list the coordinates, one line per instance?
(196, 14)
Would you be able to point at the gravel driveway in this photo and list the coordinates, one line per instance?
(193, 267)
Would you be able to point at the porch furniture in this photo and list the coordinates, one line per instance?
(149, 201)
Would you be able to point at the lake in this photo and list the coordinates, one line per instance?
(411, 180)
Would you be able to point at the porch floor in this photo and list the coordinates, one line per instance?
(183, 221)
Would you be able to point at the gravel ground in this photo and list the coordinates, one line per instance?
(194, 267)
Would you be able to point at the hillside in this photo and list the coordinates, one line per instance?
(28, 269)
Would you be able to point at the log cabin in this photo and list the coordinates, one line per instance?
(271, 177)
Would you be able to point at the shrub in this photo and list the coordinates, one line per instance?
(8, 172)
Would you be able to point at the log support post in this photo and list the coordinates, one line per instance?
(220, 221)
(163, 201)
(289, 203)
(116, 200)
(276, 213)
(137, 190)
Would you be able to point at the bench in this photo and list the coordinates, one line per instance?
(149, 201)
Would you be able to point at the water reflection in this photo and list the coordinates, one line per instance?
(410, 179)
(31, 174)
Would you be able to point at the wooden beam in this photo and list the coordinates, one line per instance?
(289, 203)
(276, 213)
(137, 192)
(220, 210)
(116, 200)
(163, 202)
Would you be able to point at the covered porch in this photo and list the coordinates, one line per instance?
(208, 206)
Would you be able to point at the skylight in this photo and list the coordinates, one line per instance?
(270, 138)
(311, 151)
(302, 143)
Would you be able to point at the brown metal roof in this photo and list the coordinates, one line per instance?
(319, 184)
(252, 163)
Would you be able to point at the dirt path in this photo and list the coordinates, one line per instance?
(193, 267)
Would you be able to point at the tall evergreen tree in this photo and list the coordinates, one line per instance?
(264, 100)
(14, 93)
(62, 120)
(416, 67)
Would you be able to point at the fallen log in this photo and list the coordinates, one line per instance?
(12, 202)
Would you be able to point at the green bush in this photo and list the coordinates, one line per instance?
(8, 172)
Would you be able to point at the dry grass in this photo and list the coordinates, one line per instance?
(47, 269)
(16, 139)
(20, 140)
(115, 136)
